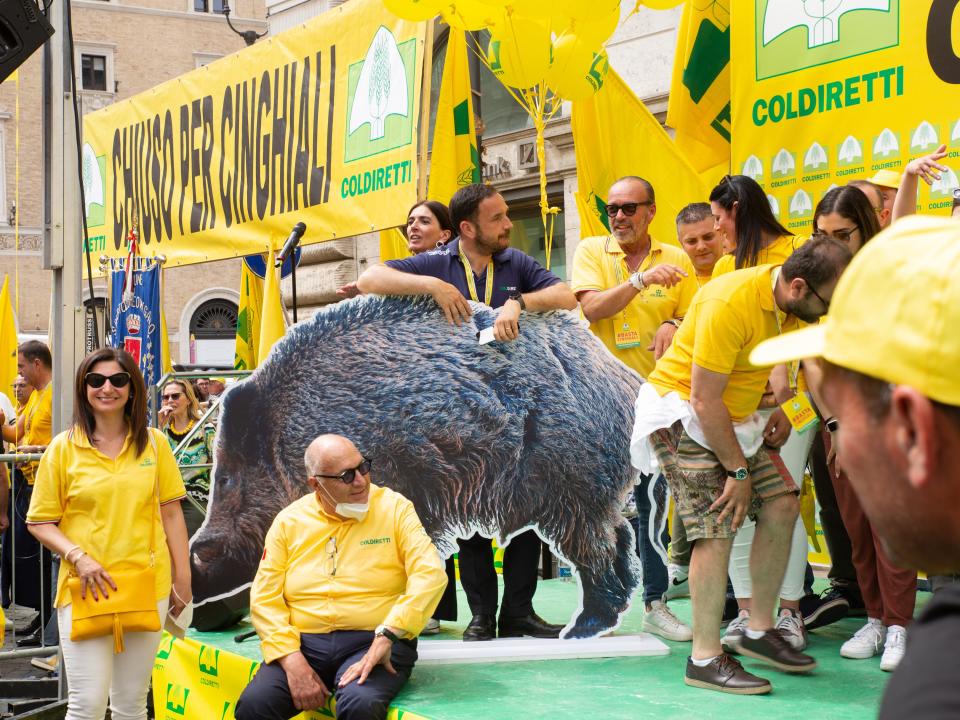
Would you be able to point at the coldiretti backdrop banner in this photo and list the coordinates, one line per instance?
(317, 124)
(824, 93)
(193, 681)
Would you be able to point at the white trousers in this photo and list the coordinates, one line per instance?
(95, 673)
(794, 455)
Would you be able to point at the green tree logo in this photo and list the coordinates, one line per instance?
(94, 173)
(177, 698)
(795, 34)
(208, 660)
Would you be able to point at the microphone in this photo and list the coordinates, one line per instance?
(290, 245)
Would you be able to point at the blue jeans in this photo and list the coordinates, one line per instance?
(652, 533)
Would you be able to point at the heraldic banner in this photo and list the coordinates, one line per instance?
(822, 97)
(136, 320)
(317, 124)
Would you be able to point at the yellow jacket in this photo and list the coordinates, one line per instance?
(320, 573)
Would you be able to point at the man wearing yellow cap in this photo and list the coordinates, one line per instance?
(696, 419)
(889, 350)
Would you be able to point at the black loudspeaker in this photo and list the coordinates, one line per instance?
(23, 28)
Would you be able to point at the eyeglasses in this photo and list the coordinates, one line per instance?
(843, 234)
(629, 209)
(173, 397)
(826, 303)
(96, 380)
(347, 476)
(331, 551)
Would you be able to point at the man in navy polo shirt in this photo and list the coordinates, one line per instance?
(480, 265)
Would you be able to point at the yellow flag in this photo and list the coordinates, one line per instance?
(248, 319)
(699, 108)
(454, 160)
(272, 323)
(166, 364)
(8, 341)
(615, 135)
(393, 245)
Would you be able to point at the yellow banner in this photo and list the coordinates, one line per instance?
(248, 319)
(615, 135)
(317, 124)
(192, 681)
(820, 101)
(8, 342)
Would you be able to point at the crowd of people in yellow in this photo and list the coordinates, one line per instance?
(764, 353)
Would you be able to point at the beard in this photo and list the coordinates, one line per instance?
(800, 309)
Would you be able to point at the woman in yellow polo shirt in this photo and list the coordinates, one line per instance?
(742, 213)
(95, 504)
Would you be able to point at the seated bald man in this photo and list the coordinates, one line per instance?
(347, 581)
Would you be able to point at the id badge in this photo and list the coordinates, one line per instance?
(626, 336)
(799, 412)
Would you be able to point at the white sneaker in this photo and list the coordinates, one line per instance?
(734, 634)
(895, 645)
(866, 642)
(659, 620)
(791, 628)
(678, 584)
(432, 627)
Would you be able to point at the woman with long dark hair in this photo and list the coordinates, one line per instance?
(889, 591)
(107, 500)
(845, 214)
(742, 213)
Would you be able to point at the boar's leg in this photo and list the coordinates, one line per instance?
(607, 591)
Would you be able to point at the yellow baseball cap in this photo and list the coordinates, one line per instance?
(887, 179)
(895, 313)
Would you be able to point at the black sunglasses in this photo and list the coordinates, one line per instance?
(347, 476)
(826, 303)
(629, 209)
(96, 380)
(172, 396)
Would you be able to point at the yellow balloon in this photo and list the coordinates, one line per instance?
(570, 57)
(583, 85)
(596, 31)
(519, 51)
(660, 4)
(414, 9)
(470, 15)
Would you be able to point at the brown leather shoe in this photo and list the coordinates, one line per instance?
(774, 650)
(725, 674)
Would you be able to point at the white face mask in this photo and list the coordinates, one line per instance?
(354, 511)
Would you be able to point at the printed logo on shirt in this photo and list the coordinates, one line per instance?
(146, 462)
(177, 698)
(509, 288)
(375, 541)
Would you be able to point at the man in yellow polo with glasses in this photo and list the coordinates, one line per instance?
(347, 581)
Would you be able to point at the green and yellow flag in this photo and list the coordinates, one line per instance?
(248, 319)
(699, 108)
(273, 325)
(454, 160)
(8, 342)
(615, 135)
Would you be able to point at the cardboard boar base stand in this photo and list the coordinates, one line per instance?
(496, 439)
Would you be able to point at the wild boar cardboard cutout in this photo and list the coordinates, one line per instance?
(495, 438)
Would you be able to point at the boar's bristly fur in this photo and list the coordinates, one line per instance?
(492, 438)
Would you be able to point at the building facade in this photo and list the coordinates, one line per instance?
(121, 48)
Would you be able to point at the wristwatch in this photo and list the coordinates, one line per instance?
(739, 474)
(637, 280)
(516, 295)
(384, 631)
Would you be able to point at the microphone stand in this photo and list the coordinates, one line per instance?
(293, 281)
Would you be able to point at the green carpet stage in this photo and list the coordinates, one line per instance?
(631, 688)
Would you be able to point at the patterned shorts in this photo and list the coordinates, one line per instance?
(697, 478)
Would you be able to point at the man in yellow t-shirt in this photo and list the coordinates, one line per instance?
(700, 239)
(634, 291)
(347, 581)
(32, 434)
(696, 420)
